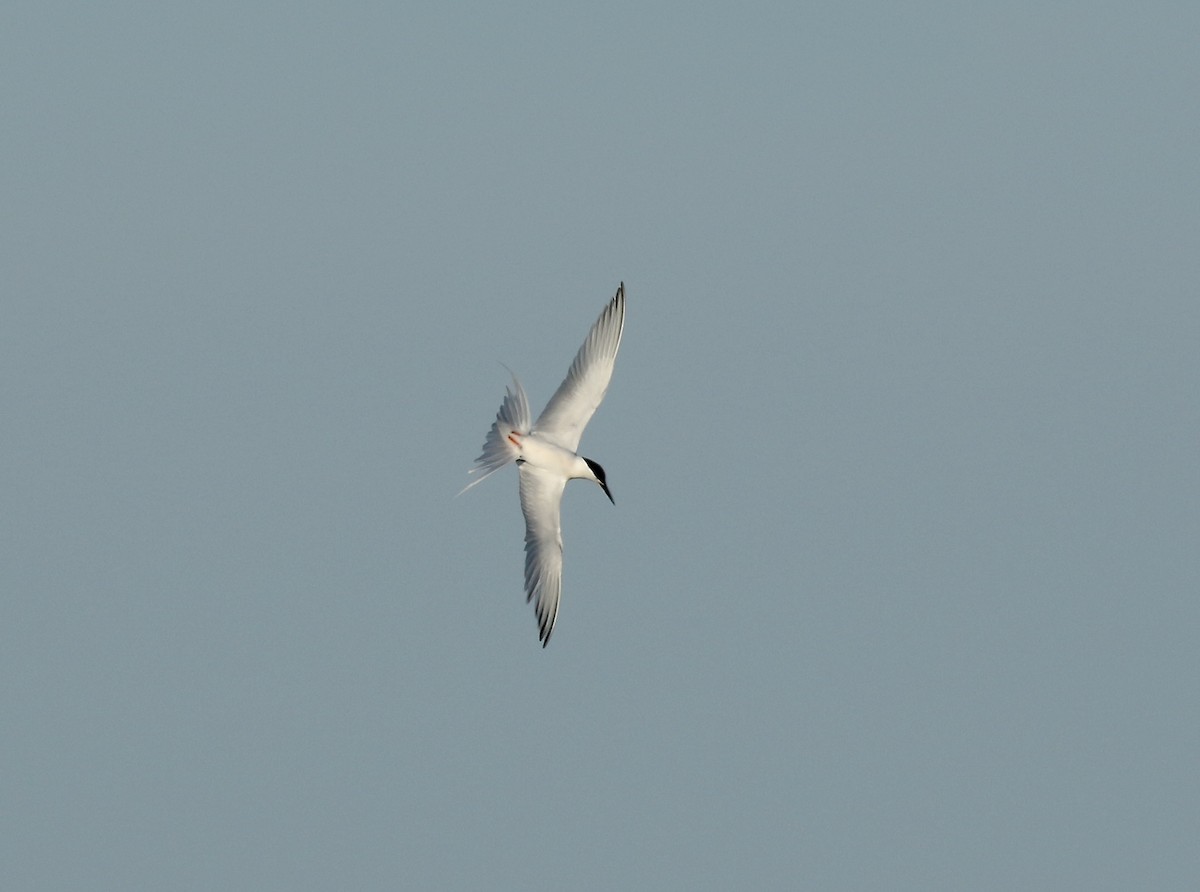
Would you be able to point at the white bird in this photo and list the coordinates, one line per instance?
(545, 453)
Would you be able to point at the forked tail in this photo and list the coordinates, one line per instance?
(498, 449)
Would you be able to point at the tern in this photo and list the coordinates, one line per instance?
(545, 453)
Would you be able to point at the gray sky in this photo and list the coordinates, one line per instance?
(900, 587)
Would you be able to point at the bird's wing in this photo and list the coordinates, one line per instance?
(541, 499)
(576, 400)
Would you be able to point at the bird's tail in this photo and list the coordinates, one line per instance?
(498, 449)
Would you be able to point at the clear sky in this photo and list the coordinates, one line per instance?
(900, 587)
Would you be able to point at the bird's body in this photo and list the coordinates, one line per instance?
(545, 453)
(538, 452)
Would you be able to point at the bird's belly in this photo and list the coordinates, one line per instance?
(541, 453)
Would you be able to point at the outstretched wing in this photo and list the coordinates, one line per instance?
(541, 499)
(576, 400)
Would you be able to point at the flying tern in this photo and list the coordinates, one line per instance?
(545, 453)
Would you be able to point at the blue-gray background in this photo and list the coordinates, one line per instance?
(900, 587)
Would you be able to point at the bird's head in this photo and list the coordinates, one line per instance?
(598, 476)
